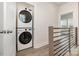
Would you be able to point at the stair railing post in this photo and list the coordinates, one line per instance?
(70, 41)
(76, 36)
(51, 46)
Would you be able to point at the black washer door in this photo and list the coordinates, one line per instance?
(25, 16)
(25, 37)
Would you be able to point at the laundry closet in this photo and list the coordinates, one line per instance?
(24, 26)
(16, 27)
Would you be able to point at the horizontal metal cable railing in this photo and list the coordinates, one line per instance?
(61, 40)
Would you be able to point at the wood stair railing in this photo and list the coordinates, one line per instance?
(61, 40)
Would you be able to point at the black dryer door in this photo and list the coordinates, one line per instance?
(25, 37)
(25, 16)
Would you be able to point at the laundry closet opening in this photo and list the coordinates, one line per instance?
(24, 26)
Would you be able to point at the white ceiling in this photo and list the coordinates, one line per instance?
(59, 3)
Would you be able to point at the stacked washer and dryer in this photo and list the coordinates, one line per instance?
(24, 27)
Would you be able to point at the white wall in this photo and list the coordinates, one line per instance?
(1, 28)
(78, 23)
(70, 7)
(45, 15)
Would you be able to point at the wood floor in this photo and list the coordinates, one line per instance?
(43, 51)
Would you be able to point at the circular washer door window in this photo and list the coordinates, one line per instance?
(25, 37)
(25, 16)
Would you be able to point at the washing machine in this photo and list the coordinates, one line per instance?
(24, 38)
(24, 17)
